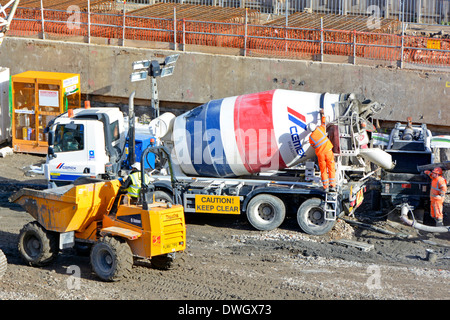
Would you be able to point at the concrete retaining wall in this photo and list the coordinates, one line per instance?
(199, 77)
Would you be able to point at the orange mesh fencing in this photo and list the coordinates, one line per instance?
(426, 51)
(338, 42)
(141, 28)
(106, 25)
(378, 46)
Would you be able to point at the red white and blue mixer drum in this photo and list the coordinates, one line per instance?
(247, 134)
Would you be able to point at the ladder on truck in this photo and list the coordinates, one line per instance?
(348, 148)
(330, 205)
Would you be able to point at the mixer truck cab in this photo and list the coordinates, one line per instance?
(84, 143)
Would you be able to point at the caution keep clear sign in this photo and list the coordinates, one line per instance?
(217, 204)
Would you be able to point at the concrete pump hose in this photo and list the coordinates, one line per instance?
(419, 226)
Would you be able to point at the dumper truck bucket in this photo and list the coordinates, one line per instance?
(68, 208)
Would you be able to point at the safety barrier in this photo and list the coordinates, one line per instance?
(253, 39)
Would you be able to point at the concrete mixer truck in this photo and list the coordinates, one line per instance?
(246, 154)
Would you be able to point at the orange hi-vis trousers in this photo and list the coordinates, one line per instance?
(323, 148)
(437, 207)
(437, 196)
(327, 168)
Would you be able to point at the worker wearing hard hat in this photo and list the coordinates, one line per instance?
(134, 182)
(323, 148)
(437, 194)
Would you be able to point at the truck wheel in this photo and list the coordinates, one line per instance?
(37, 246)
(163, 262)
(311, 217)
(266, 212)
(3, 264)
(162, 196)
(111, 259)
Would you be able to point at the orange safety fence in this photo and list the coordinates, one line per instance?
(378, 46)
(211, 33)
(426, 50)
(106, 26)
(139, 28)
(256, 39)
(338, 42)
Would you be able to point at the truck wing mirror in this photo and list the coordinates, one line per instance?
(50, 138)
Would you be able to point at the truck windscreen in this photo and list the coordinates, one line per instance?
(69, 137)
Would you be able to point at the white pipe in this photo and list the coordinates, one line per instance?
(404, 217)
(378, 156)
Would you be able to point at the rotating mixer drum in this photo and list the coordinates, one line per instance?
(248, 134)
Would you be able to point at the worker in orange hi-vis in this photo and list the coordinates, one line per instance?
(437, 194)
(323, 148)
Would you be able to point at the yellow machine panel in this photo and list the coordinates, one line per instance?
(159, 230)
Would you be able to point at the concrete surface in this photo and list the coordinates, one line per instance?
(199, 77)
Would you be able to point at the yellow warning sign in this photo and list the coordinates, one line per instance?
(217, 204)
(434, 44)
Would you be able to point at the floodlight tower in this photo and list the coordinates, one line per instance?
(154, 69)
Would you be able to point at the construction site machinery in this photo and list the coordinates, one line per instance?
(95, 214)
(410, 148)
(266, 196)
(213, 156)
(95, 143)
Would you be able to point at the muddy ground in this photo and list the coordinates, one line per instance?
(227, 260)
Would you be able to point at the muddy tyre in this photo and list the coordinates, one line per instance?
(111, 259)
(162, 196)
(163, 262)
(3, 264)
(37, 246)
(266, 212)
(311, 217)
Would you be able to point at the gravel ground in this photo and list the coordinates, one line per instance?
(226, 260)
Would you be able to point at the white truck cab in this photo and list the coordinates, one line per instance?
(85, 142)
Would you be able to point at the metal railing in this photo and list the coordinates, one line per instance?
(250, 39)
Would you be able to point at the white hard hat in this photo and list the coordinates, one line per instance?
(136, 165)
(312, 126)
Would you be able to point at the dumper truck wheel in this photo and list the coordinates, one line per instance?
(111, 259)
(311, 217)
(266, 212)
(37, 246)
(3, 264)
(162, 196)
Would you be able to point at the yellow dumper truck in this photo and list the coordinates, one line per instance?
(94, 214)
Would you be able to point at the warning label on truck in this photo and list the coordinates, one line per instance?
(217, 204)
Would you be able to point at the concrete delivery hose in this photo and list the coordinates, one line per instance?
(404, 217)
